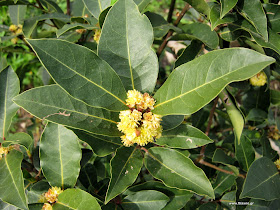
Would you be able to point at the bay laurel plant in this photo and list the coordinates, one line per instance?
(121, 131)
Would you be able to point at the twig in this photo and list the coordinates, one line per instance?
(219, 169)
(59, 113)
(40, 5)
(171, 10)
(164, 43)
(68, 7)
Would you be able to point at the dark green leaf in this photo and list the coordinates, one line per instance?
(215, 17)
(79, 9)
(76, 199)
(229, 198)
(37, 190)
(11, 180)
(20, 138)
(145, 199)
(60, 156)
(201, 32)
(92, 81)
(142, 4)
(220, 157)
(223, 182)
(101, 145)
(125, 167)
(95, 7)
(63, 109)
(275, 97)
(176, 170)
(9, 88)
(262, 181)
(273, 15)
(200, 6)
(184, 136)
(6, 206)
(194, 84)
(17, 13)
(68, 27)
(125, 43)
(171, 121)
(226, 6)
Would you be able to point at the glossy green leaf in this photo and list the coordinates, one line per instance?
(31, 23)
(228, 198)
(92, 81)
(253, 11)
(145, 199)
(245, 152)
(226, 6)
(201, 32)
(178, 171)
(9, 88)
(63, 109)
(76, 199)
(275, 97)
(262, 181)
(189, 53)
(37, 190)
(95, 7)
(234, 113)
(17, 13)
(101, 145)
(6, 206)
(20, 138)
(223, 182)
(221, 157)
(125, 167)
(11, 180)
(60, 156)
(125, 43)
(273, 16)
(194, 84)
(79, 9)
(68, 27)
(215, 17)
(200, 6)
(171, 121)
(232, 33)
(184, 137)
(178, 198)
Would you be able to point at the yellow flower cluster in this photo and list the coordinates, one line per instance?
(96, 36)
(4, 151)
(274, 133)
(259, 79)
(47, 206)
(138, 123)
(52, 194)
(277, 163)
(16, 30)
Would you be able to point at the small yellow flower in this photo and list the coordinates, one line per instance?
(81, 31)
(19, 30)
(259, 79)
(4, 151)
(139, 124)
(97, 35)
(274, 133)
(52, 194)
(13, 28)
(47, 206)
(14, 40)
(277, 163)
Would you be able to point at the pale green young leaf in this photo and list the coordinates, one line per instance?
(125, 43)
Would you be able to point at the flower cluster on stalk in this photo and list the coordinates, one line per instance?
(138, 123)
(259, 79)
(50, 197)
(16, 30)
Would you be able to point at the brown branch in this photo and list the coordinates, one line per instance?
(68, 7)
(219, 169)
(179, 18)
(171, 10)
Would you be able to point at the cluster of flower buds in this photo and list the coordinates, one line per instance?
(4, 151)
(138, 123)
(50, 197)
(16, 30)
(259, 79)
(97, 34)
(277, 163)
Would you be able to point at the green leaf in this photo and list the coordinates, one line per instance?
(254, 13)
(142, 4)
(31, 23)
(11, 180)
(216, 20)
(125, 43)
(92, 81)
(60, 156)
(189, 53)
(245, 152)
(171, 121)
(178, 198)
(234, 113)
(101, 145)
(275, 97)
(262, 181)
(229, 198)
(68, 27)
(20, 138)
(273, 16)
(201, 32)
(145, 199)
(178, 171)
(194, 84)
(37, 190)
(6, 206)
(11, 2)
(223, 182)
(125, 167)
(200, 6)
(226, 6)
(63, 109)
(184, 137)
(79, 9)
(95, 7)
(76, 199)
(17, 13)
(9, 88)
(221, 157)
